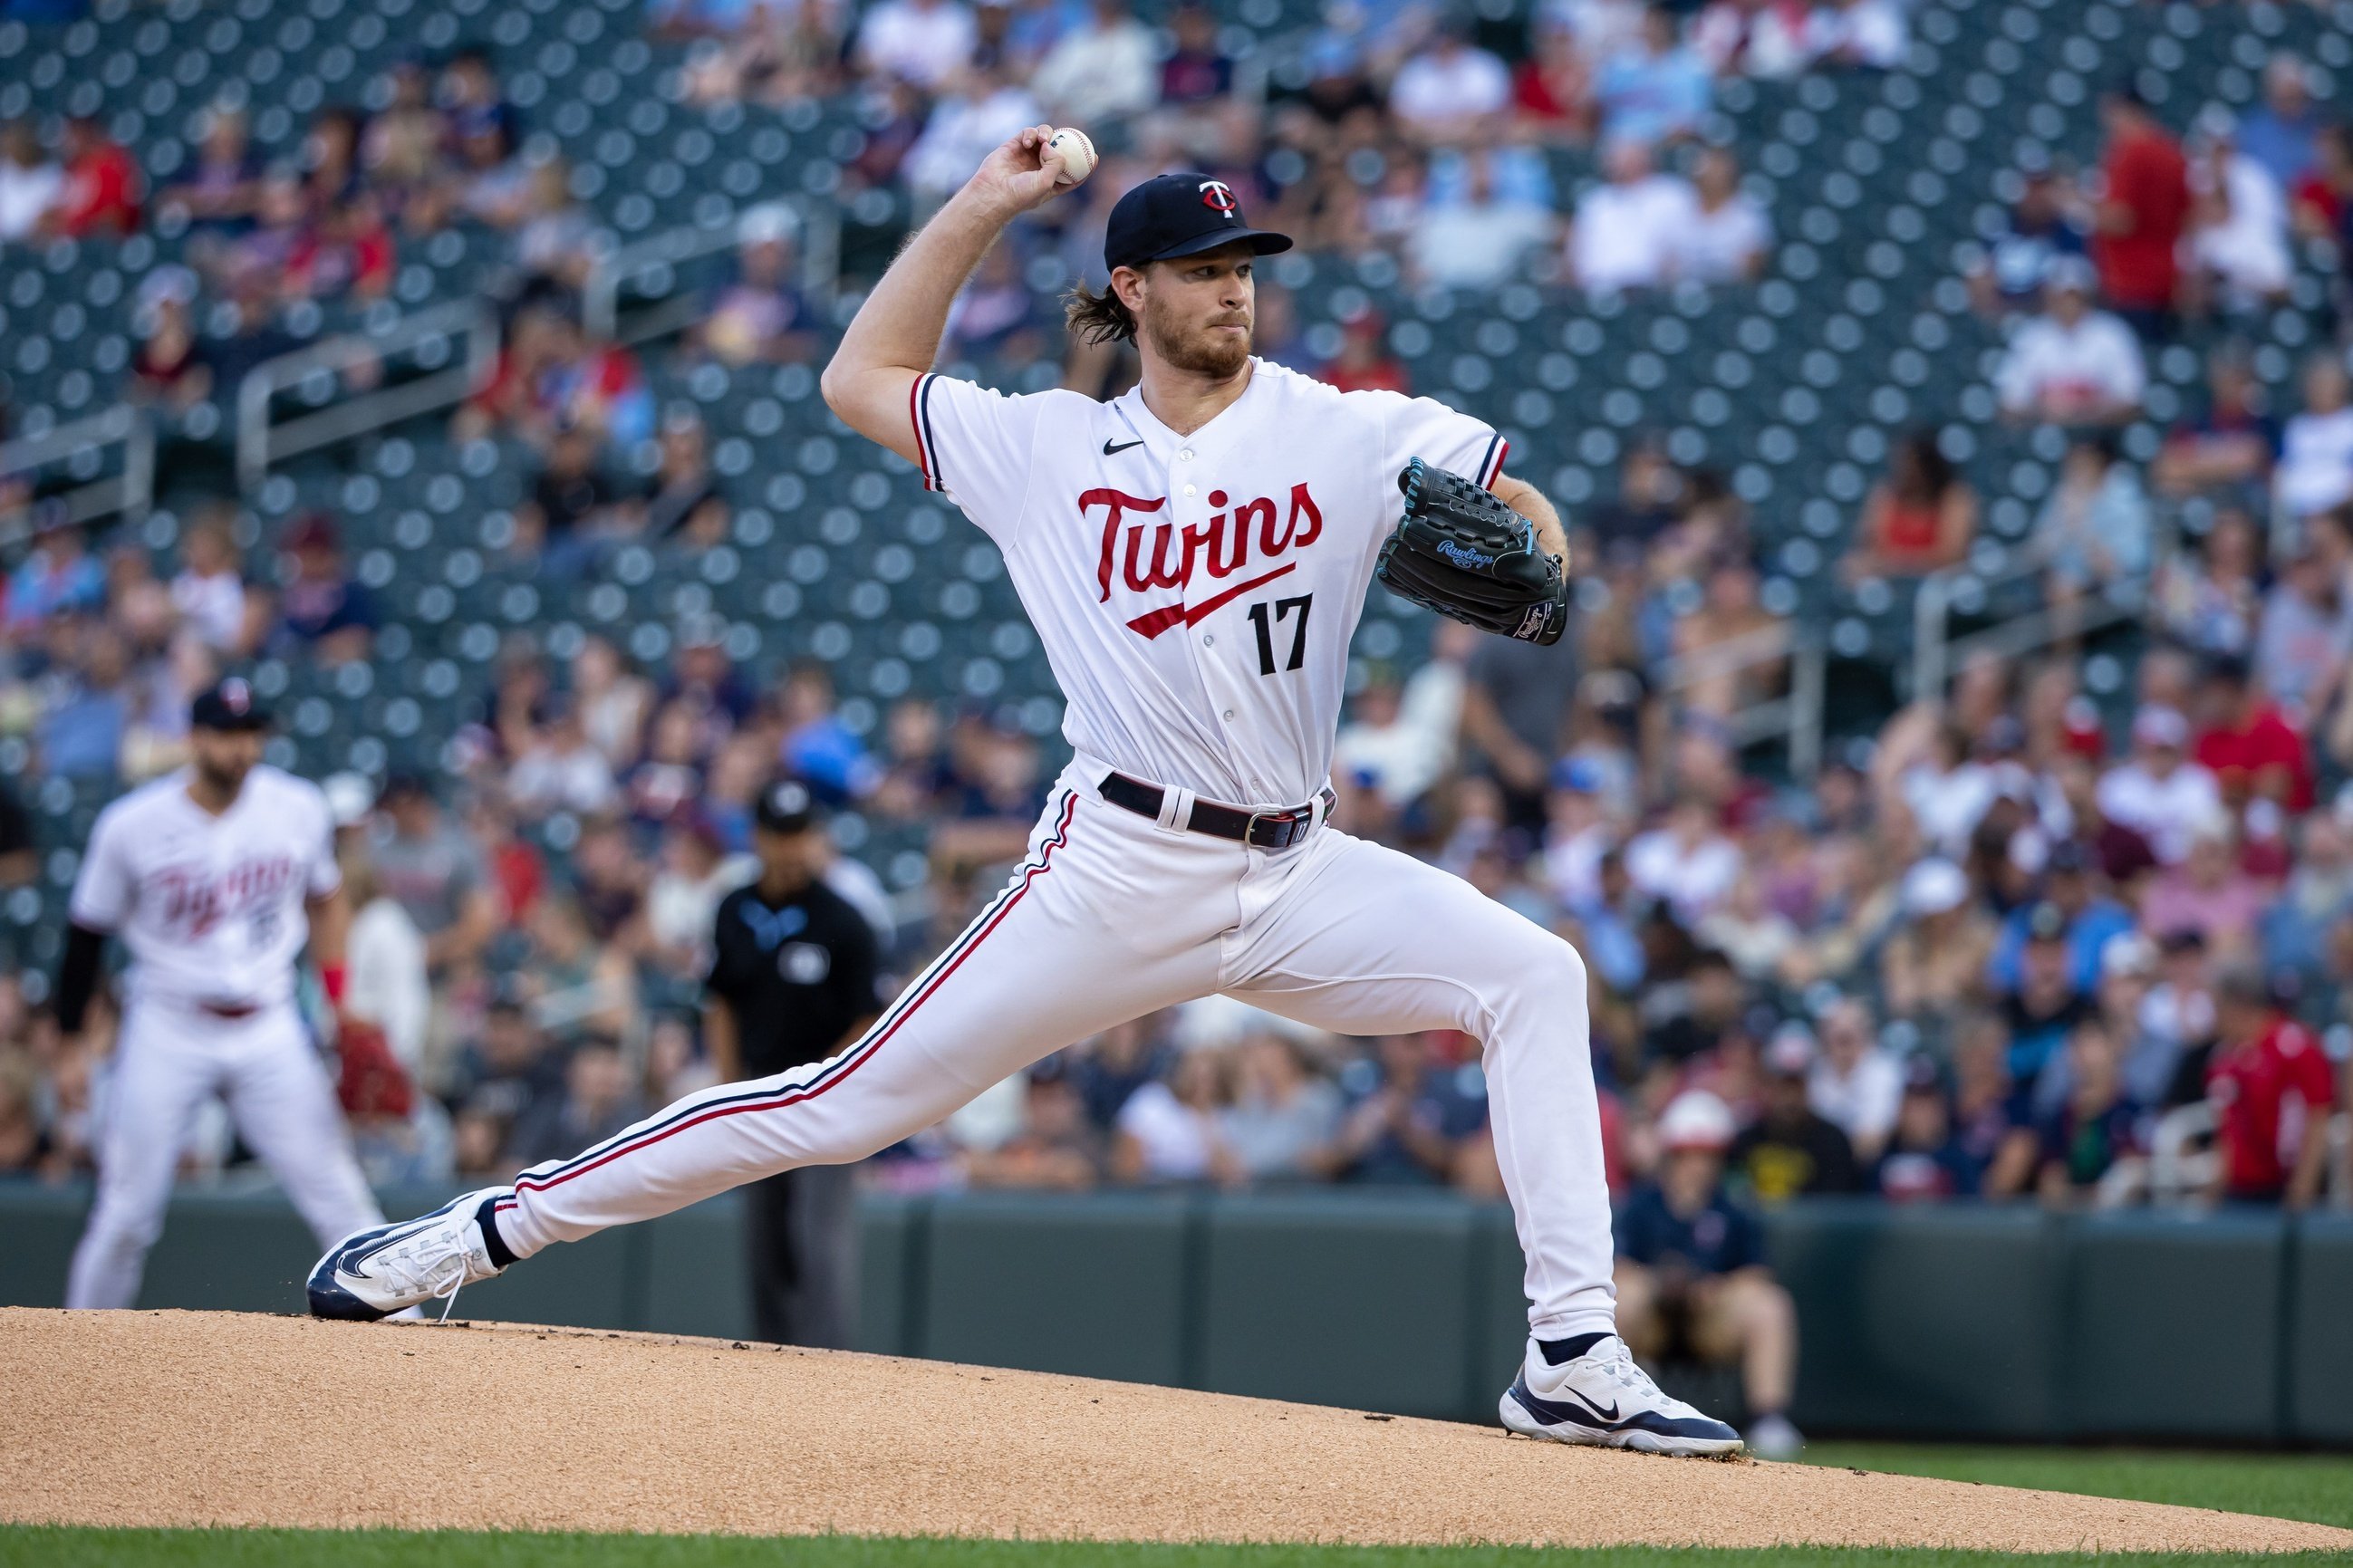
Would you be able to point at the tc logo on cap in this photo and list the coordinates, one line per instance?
(236, 697)
(1219, 197)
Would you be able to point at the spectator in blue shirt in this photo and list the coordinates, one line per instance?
(2092, 918)
(59, 576)
(1605, 935)
(81, 734)
(1116, 1063)
(2084, 1149)
(324, 613)
(2017, 261)
(2042, 1009)
(1654, 89)
(1692, 1275)
(1410, 1116)
(1926, 1160)
(819, 749)
(2280, 133)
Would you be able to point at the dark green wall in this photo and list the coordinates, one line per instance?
(1961, 1322)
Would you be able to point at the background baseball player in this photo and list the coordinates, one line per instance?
(215, 876)
(1195, 555)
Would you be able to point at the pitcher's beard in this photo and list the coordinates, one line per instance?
(1213, 355)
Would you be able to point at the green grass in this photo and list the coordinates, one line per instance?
(2314, 1487)
(2293, 1486)
(44, 1548)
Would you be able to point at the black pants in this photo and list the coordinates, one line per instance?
(803, 1233)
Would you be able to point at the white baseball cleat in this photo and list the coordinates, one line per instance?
(1601, 1398)
(386, 1269)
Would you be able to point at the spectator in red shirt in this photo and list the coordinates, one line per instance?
(1364, 363)
(2271, 1090)
(101, 190)
(2140, 215)
(2325, 192)
(2250, 748)
(1552, 90)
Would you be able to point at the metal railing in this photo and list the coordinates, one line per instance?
(127, 493)
(1937, 654)
(1795, 717)
(654, 260)
(261, 443)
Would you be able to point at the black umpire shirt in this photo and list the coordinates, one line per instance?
(796, 974)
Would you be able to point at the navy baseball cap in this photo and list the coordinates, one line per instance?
(1171, 216)
(228, 705)
(787, 807)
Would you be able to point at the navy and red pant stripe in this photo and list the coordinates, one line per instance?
(831, 1074)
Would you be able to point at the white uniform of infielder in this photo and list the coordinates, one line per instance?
(1196, 591)
(212, 907)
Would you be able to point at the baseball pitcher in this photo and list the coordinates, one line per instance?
(216, 878)
(1194, 555)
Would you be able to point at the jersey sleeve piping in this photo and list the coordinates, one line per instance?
(1490, 465)
(919, 414)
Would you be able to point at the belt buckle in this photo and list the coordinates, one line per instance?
(1288, 818)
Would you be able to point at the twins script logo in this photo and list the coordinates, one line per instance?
(200, 901)
(1222, 547)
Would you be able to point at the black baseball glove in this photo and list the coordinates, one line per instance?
(1464, 554)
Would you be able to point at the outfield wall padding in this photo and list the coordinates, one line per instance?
(1997, 1323)
(1911, 1321)
(2317, 1377)
(2174, 1319)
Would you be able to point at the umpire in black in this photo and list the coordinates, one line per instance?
(792, 980)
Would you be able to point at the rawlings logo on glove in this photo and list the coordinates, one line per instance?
(1465, 554)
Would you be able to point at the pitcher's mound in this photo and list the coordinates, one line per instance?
(177, 1418)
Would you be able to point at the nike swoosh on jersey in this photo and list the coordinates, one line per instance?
(1111, 451)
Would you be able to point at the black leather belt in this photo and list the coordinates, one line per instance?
(1263, 829)
(230, 1009)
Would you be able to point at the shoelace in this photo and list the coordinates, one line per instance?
(441, 1276)
(457, 1281)
(1618, 1365)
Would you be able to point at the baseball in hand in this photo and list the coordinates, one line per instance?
(1078, 153)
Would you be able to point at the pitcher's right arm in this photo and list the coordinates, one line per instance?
(896, 333)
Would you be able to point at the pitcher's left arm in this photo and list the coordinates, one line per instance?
(1529, 502)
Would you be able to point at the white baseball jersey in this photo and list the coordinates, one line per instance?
(1195, 594)
(211, 906)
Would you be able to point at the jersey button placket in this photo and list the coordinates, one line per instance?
(1211, 673)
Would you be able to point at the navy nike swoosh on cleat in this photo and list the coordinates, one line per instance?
(1599, 1414)
(1111, 451)
(1553, 1414)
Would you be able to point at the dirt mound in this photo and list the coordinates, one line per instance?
(165, 1418)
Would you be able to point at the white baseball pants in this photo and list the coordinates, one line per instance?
(169, 1061)
(1113, 916)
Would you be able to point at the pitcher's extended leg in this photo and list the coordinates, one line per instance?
(1038, 969)
(1363, 939)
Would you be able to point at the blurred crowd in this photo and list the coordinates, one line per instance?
(2011, 946)
(1385, 129)
(2077, 929)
